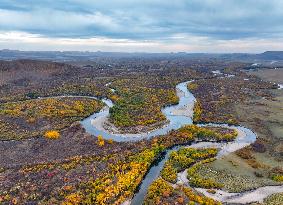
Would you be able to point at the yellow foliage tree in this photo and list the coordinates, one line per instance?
(72, 199)
(100, 140)
(52, 134)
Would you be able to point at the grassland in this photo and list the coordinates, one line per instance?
(271, 74)
(258, 108)
(217, 97)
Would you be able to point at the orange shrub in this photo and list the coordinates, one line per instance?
(110, 141)
(52, 134)
(100, 140)
(72, 199)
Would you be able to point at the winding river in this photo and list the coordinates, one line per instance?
(93, 124)
(178, 116)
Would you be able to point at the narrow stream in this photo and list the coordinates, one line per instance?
(153, 174)
(178, 116)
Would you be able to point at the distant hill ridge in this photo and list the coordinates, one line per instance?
(61, 56)
(271, 55)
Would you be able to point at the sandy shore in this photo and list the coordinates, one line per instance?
(128, 202)
(102, 123)
(182, 178)
(98, 122)
(257, 195)
(186, 110)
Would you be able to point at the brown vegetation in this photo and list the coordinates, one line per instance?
(217, 96)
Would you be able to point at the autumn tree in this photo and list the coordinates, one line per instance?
(100, 140)
(52, 134)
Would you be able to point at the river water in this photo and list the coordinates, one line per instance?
(178, 116)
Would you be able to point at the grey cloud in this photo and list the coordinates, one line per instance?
(147, 19)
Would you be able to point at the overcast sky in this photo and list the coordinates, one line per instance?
(142, 25)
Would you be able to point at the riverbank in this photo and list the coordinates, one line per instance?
(184, 110)
(103, 124)
(256, 195)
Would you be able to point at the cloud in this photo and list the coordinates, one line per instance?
(148, 20)
(56, 23)
(177, 43)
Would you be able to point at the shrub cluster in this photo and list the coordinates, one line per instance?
(52, 134)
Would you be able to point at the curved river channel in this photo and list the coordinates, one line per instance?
(178, 116)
